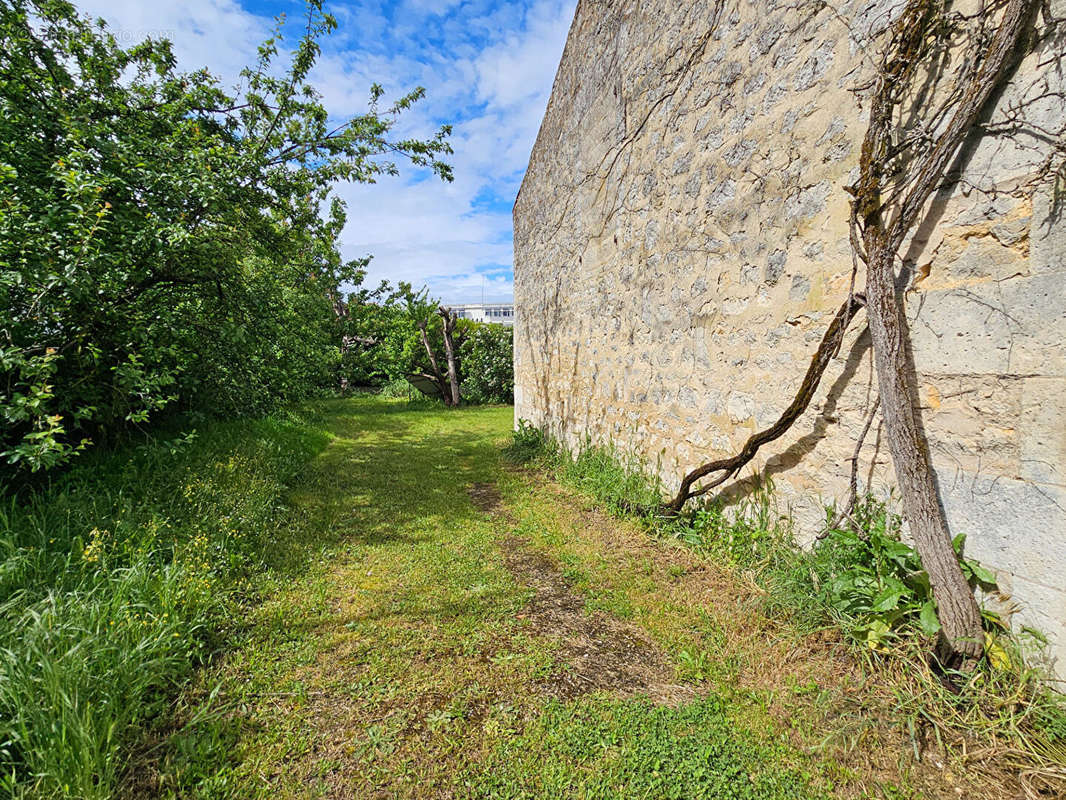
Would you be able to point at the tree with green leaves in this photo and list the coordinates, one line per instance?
(393, 334)
(487, 357)
(165, 243)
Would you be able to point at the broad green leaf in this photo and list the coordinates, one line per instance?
(984, 576)
(888, 599)
(928, 619)
(876, 634)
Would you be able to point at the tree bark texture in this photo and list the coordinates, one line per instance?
(956, 606)
(885, 227)
(449, 319)
(437, 376)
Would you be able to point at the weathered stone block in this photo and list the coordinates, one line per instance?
(1010, 524)
(1042, 431)
(1048, 235)
(1011, 327)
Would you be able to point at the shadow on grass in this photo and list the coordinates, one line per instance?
(391, 478)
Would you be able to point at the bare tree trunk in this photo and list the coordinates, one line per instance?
(449, 348)
(962, 642)
(437, 376)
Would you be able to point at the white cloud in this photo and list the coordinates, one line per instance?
(440, 232)
(218, 34)
(488, 73)
(520, 68)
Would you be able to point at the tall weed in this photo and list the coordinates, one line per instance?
(117, 580)
(618, 482)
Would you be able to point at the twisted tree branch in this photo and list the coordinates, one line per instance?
(729, 467)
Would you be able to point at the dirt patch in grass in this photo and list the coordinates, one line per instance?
(485, 497)
(597, 651)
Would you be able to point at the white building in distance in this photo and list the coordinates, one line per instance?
(500, 313)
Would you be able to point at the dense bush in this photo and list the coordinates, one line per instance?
(487, 364)
(163, 242)
(873, 581)
(382, 345)
(380, 331)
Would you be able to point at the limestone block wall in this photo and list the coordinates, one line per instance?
(681, 244)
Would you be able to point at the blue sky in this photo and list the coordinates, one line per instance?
(487, 68)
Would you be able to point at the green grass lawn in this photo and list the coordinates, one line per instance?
(407, 657)
(364, 600)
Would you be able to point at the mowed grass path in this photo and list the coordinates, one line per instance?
(463, 629)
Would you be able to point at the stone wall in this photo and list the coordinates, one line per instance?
(681, 244)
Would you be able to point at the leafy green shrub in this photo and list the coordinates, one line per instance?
(865, 578)
(528, 443)
(487, 364)
(397, 389)
(874, 583)
(380, 330)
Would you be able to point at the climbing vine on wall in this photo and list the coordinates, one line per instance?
(931, 87)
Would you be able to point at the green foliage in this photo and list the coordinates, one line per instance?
(383, 345)
(613, 749)
(750, 532)
(380, 332)
(528, 443)
(397, 389)
(487, 364)
(116, 582)
(620, 484)
(864, 577)
(874, 583)
(165, 242)
(693, 667)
